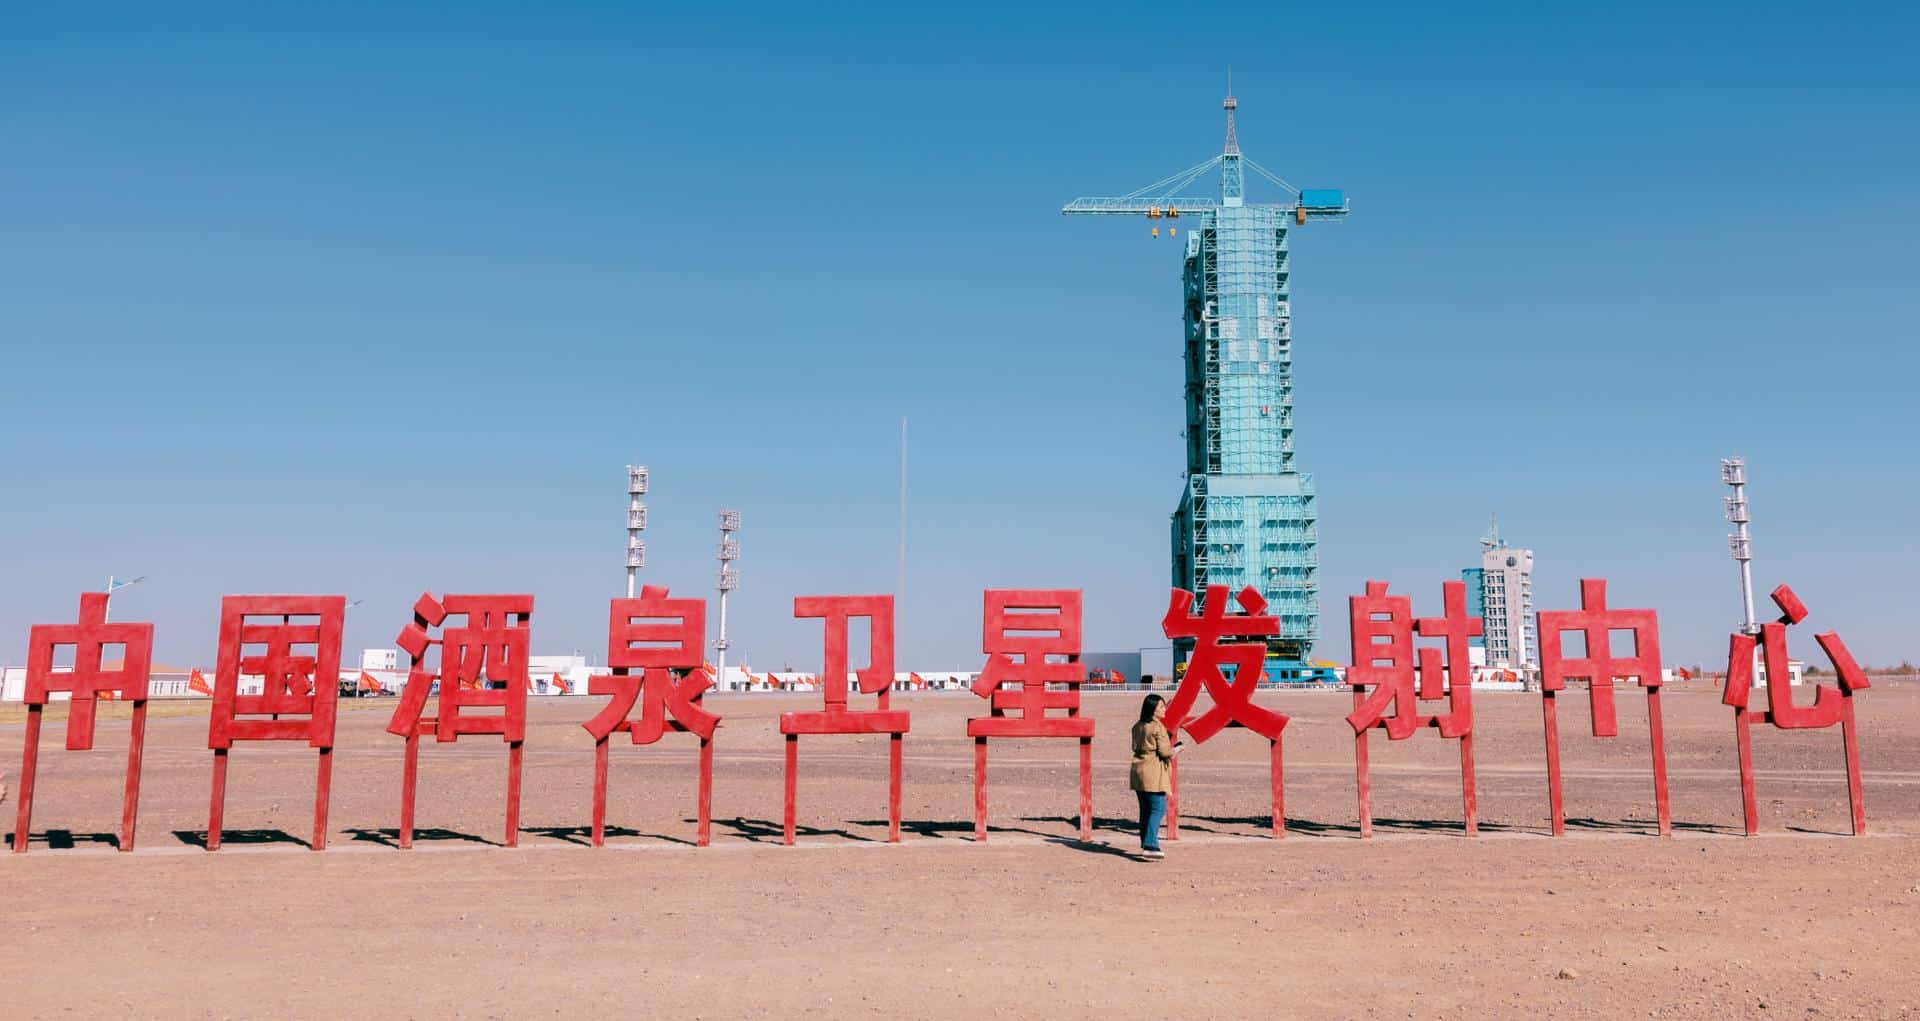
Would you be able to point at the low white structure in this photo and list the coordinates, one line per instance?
(1796, 671)
(162, 682)
(380, 660)
(559, 675)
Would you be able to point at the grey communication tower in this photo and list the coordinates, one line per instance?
(1733, 472)
(729, 580)
(636, 523)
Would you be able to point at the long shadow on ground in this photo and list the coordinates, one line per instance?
(766, 831)
(390, 836)
(1100, 822)
(583, 835)
(198, 838)
(941, 829)
(1648, 826)
(938, 829)
(67, 840)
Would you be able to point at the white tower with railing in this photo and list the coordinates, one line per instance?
(1733, 472)
(729, 580)
(636, 523)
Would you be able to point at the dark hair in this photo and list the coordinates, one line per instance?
(1148, 705)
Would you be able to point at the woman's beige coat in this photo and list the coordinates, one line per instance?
(1152, 751)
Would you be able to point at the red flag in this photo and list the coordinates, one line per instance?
(370, 683)
(918, 681)
(1116, 677)
(195, 682)
(561, 683)
(1682, 673)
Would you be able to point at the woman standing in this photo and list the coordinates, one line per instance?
(1153, 752)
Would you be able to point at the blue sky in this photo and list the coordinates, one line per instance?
(383, 299)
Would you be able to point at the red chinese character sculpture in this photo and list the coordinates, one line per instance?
(298, 664)
(87, 681)
(674, 631)
(1600, 669)
(1388, 667)
(1029, 662)
(1232, 697)
(1830, 705)
(482, 665)
(876, 679)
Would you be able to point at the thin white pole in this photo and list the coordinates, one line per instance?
(1752, 626)
(720, 668)
(900, 587)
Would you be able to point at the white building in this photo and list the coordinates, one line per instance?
(162, 682)
(1500, 590)
(1796, 671)
(380, 660)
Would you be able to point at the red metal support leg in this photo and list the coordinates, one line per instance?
(514, 757)
(599, 837)
(136, 750)
(322, 799)
(979, 790)
(29, 764)
(217, 811)
(1363, 784)
(894, 749)
(1657, 728)
(1743, 739)
(1469, 793)
(1856, 794)
(1279, 775)
(409, 774)
(1086, 789)
(793, 768)
(1173, 800)
(1550, 720)
(704, 834)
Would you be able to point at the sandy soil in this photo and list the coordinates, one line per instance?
(1419, 922)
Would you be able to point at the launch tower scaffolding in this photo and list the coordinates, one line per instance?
(1247, 515)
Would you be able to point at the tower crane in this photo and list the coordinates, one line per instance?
(1162, 198)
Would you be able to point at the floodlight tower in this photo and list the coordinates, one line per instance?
(1733, 472)
(636, 523)
(729, 579)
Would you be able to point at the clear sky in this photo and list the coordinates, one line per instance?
(384, 299)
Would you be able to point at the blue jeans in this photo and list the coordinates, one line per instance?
(1153, 810)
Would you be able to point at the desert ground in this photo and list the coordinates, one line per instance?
(1419, 921)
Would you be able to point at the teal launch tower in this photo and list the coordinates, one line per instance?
(1247, 515)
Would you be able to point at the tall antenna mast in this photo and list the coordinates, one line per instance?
(729, 579)
(636, 523)
(1733, 472)
(1233, 140)
(1232, 179)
